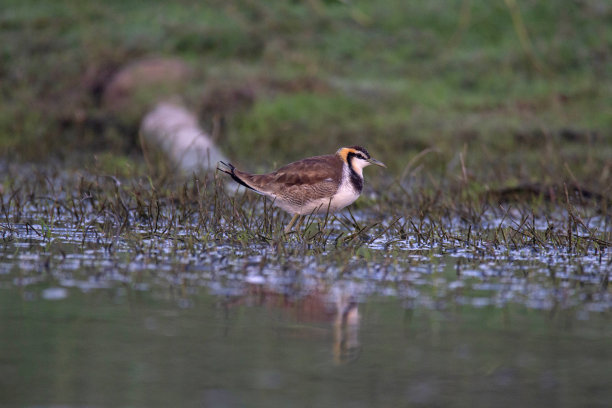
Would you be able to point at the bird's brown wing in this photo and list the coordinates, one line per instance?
(319, 172)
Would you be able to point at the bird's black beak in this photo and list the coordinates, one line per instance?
(377, 163)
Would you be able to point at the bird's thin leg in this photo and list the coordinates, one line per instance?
(293, 220)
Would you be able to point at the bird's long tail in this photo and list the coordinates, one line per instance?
(231, 170)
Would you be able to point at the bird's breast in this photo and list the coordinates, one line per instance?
(343, 197)
(346, 193)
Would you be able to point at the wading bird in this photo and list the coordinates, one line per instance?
(315, 185)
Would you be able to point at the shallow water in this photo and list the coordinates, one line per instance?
(119, 347)
(141, 319)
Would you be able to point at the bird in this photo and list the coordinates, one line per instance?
(314, 185)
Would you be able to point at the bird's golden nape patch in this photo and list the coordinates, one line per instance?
(344, 152)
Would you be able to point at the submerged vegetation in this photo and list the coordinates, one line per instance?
(56, 226)
(492, 117)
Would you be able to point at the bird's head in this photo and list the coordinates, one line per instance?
(357, 158)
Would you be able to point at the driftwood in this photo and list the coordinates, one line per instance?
(174, 130)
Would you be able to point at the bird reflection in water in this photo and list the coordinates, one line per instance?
(346, 325)
(335, 305)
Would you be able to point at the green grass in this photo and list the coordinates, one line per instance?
(524, 89)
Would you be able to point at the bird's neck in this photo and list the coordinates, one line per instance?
(355, 174)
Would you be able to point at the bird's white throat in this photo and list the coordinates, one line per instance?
(358, 165)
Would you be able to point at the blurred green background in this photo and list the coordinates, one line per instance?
(522, 88)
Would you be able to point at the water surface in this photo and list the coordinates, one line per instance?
(94, 314)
